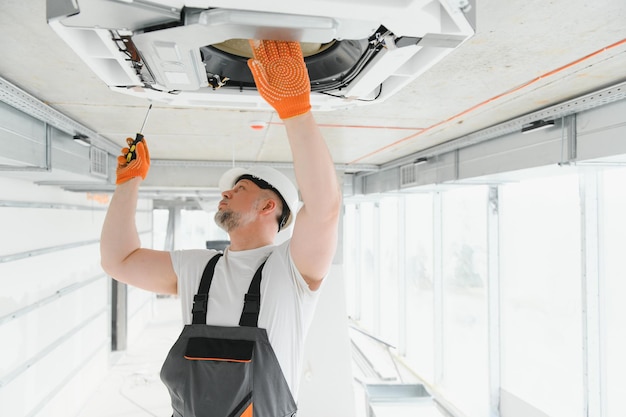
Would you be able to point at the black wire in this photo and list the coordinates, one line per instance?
(380, 90)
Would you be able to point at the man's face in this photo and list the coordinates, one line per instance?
(238, 205)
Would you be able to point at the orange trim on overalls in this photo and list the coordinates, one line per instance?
(248, 412)
(218, 359)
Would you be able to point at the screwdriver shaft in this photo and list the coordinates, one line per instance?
(145, 119)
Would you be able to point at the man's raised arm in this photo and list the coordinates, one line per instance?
(282, 79)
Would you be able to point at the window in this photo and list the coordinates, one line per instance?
(418, 268)
(159, 228)
(541, 294)
(613, 248)
(369, 265)
(198, 226)
(191, 230)
(388, 271)
(464, 238)
(352, 251)
(421, 281)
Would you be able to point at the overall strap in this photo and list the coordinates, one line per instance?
(252, 301)
(201, 299)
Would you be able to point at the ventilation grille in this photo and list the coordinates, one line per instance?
(98, 162)
(408, 175)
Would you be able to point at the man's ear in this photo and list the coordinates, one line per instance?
(269, 206)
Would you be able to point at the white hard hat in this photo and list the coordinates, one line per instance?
(276, 180)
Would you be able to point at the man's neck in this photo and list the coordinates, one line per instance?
(249, 239)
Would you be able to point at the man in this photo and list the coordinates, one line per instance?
(255, 205)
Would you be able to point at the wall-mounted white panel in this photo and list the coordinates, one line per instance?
(30, 390)
(32, 333)
(47, 227)
(54, 297)
(16, 189)
(29, 280)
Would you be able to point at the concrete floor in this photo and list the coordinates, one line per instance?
(133, 387)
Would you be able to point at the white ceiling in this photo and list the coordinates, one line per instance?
(525, 55)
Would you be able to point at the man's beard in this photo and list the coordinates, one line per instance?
(227, 219)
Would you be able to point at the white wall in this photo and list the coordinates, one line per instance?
(54, 299)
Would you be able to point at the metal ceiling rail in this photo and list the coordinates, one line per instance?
(29, 104)
(44, 205)
(585, 102)
(277, 165)
(50, 298)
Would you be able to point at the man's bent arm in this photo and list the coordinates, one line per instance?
(120, 247)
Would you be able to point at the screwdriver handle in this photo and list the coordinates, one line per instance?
(132, 150)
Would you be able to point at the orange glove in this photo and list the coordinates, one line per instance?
(281, 76)
(137, 167)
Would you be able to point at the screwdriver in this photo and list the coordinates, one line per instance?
(133, 146)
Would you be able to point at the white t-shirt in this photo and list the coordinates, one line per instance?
(287, 303)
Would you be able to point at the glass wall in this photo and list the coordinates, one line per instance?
(418, 268)
(613, 289)
(352, 265)
(540, 282)
(429, 278)
(464, 267)
(194, 228)
(399, 277)
(389, 279)
(369, 261)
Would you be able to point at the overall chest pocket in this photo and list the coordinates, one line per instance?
(220, 377)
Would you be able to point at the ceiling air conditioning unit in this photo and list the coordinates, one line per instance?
(194, 52)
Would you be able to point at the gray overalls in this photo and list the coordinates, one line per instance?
(214, 371)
